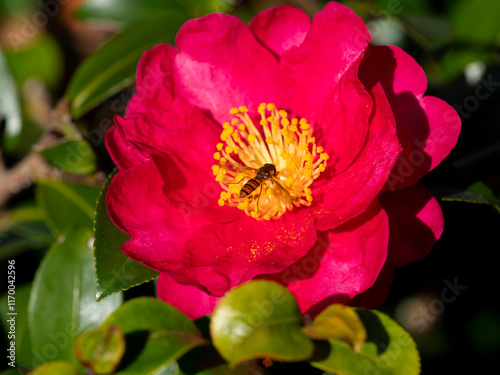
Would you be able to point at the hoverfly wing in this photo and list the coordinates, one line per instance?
(280, 192)
(238, 168)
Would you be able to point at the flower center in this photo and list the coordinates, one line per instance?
(266, 171)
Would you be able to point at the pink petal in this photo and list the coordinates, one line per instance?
(154, 80)
(280, 28)
(343, 263)
(427, 127)
(341, 197)
(323, 86)
(136, 204)
(244, 248)
(220, 65)
(378, 292)
(184, 142)
(124, 155)
(190, 300)
(416, 223)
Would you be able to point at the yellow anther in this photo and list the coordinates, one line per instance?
(309, 164)
(311, 140)
(284, 132)
(269, 140)
(321, 167)
(304, 147)
(234, 121)
(307, 157)
(285, 122)
(222, 161)
(234, 189)
(270, 106)
(215, 169)
(308, 173)
(302, 121)
(240, 177)
(236, 137)
(307, 191)
(270, 119)
(243, 109)
(236, 149)
(251, 138)
(324, 156)
(217, 156)
(219, 146)
(219, 177)
(288, 140)
(293, 128)
(305, 133)
(241, 127)
(224, 136)
(267, 217)
(278, 208)
(305, 126)
(289, 180)
(284, 155)
(283, 113)
(229, 149)
(226, 126)
(319, 150)
(254, 214)
(221, 202)
(262, 108)
(234, 111)
(263, 122)
(309, 198)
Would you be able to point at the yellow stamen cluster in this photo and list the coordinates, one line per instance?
(286, 143)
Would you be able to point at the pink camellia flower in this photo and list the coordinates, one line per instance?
(348, 133)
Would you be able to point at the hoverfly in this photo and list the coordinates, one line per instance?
(263, 176)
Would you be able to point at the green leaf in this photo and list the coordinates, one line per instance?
(101, 349)
(114, 270)
(477, 193)
(129, 11)
(339, 322)
(10, 110)
(62, 303)
(259, 319)
(71, 156)
(23, 230)
(156, 335)
(464, 16)
(55, 368)
(21, 335)
(388, 349)
(66, 204)
(41, 58)
(113, 66)
(13, 371)
(18, 7)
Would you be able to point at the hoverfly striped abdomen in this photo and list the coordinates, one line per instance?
(264, 173)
